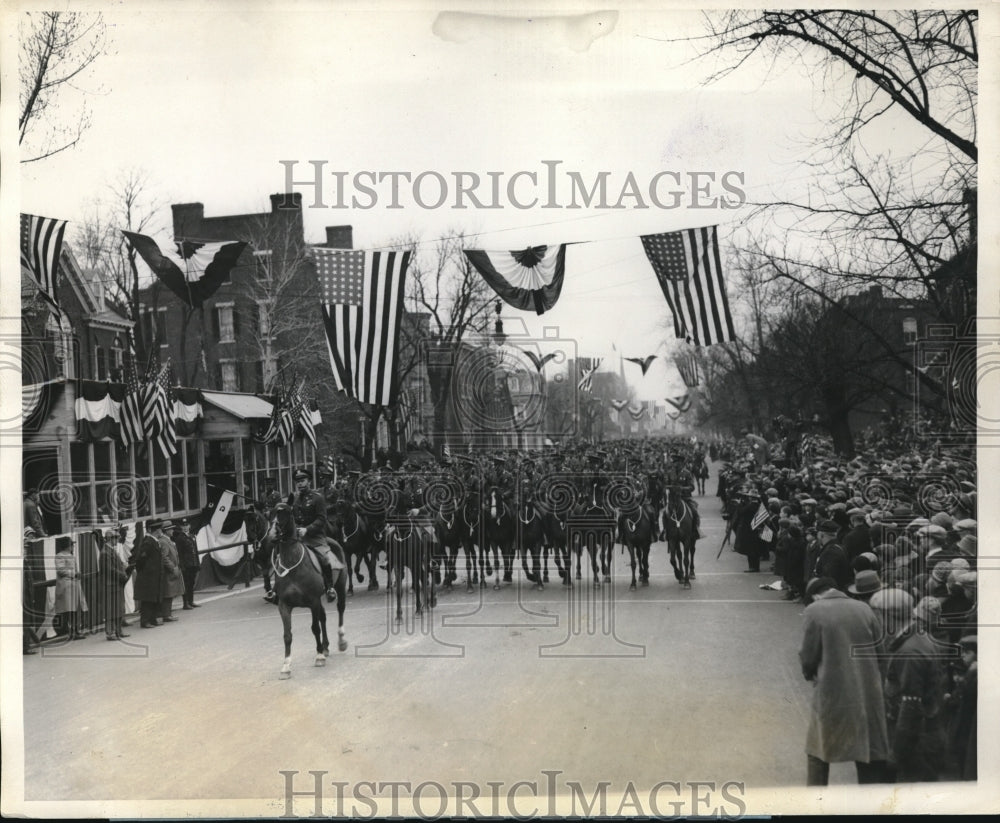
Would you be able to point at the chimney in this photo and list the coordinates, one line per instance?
(339, 237)
(187, 217)
(288, 201)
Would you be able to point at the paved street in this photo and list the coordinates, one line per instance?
(664, 684)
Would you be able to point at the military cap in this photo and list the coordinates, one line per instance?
(301, 475)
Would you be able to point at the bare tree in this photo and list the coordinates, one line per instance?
(129, 204)
(56, 50)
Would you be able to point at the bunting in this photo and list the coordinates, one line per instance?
(681, 403)
(642, 362)
(529, 280)
(97, 410)
(588, 366)
(619, 404)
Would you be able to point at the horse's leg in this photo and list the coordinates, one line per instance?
(341, 605)
(579, 555)
(470, 566)
(396, 568)
(607, 547)
(594, 547)
(631, 562)
(691, 558)
(371, 560)
(497, 553)
(350, 576)
(358, 557)
(286, 622)
(644, 564)
(536, 564)
(319, 632)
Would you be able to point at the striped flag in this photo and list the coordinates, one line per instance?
(688, 268)
(637, 412)
(132, 429)
(588, 365)
(282, 424)
(304, 417)
(688, 368)
(362, 296)
(41, 244)
(157, 413)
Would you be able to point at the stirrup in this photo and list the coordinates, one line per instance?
(270, 597)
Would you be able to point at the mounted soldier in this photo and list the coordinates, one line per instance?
(677, 474)
(309, 510)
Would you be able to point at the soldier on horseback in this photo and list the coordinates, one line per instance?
(309, 509)
(678, 475)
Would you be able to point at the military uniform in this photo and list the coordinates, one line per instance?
(679, 475)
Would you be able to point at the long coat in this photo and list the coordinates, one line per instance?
(114, 576)
(69, 592)
(148, 570)
(172, 582)
(848, 712)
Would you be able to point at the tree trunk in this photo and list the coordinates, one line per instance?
(837, 411)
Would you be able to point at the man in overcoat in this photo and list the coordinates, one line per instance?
(149, 574)
(114, 574)
(847, 721)
(172, 581)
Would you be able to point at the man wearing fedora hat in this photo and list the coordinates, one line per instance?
(866, 583)
(831, 560)
(148, 574)
(172, 581)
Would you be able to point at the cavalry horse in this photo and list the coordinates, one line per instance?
(351, 531)
(410, 543)
(595, 526)
(530, 529)
(635, 529)
(700, 474)
(678, 528)
(458, 529)
(498, 536)
(299, 584)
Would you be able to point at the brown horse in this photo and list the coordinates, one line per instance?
(299, 584)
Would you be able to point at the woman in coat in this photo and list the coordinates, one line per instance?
(70, 602)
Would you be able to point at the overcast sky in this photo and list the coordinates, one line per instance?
(208, 102)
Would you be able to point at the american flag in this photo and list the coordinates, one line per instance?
(760, 519)
(304, 416)
(588, 365)
(132, 429)
(688, 267)
(362, 296)
(688, 368)
(41, 244)
(157, 413)
(282, 425)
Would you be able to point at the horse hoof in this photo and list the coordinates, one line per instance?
(350, 592)
(687, 585)
(496, 586)
(399, 618)
(373, 587)
(320, 661)
(469, 589)
(284, 675)
(545, 578)
(692, 576)
(342, 645)
(578, 576)
(567, 582)
(418, 611)
(539, 587)
(644, 581)
(597, 584)
(632, 588)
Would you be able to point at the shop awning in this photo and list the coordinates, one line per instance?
(243, 406)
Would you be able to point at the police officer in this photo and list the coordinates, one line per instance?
(309, 510)
(677, 474)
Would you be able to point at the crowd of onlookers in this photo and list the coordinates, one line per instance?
(882, 550)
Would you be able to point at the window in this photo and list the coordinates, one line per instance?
(117, 359)
(100, 363)
(909, 330)
(263, 263)
(225, 329)
(228, 377)
(154, 325)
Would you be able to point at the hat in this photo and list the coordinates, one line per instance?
(970, 641)
(968, 544)
(892, 600)
(301, 475)
(856, 512)
(771, 492)
(819, 584)
(809, 502)
(968, 580)
(928, 609)
(933, 531)
(966, 525)
(827, 527)
(943, 519)
(918, 523)
(167, 524)
(940, 572)
(866, 581)
(183, 521)
(154, 523)
(871, 557)
(903, 560)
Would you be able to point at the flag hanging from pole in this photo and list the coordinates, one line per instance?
(689, 270)
(131, 427)
(157, 413)
(304, 417)
(41, 245)
(192, 270)
(688, 368)
(362, 303)
(530, 280)
(588, 365)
